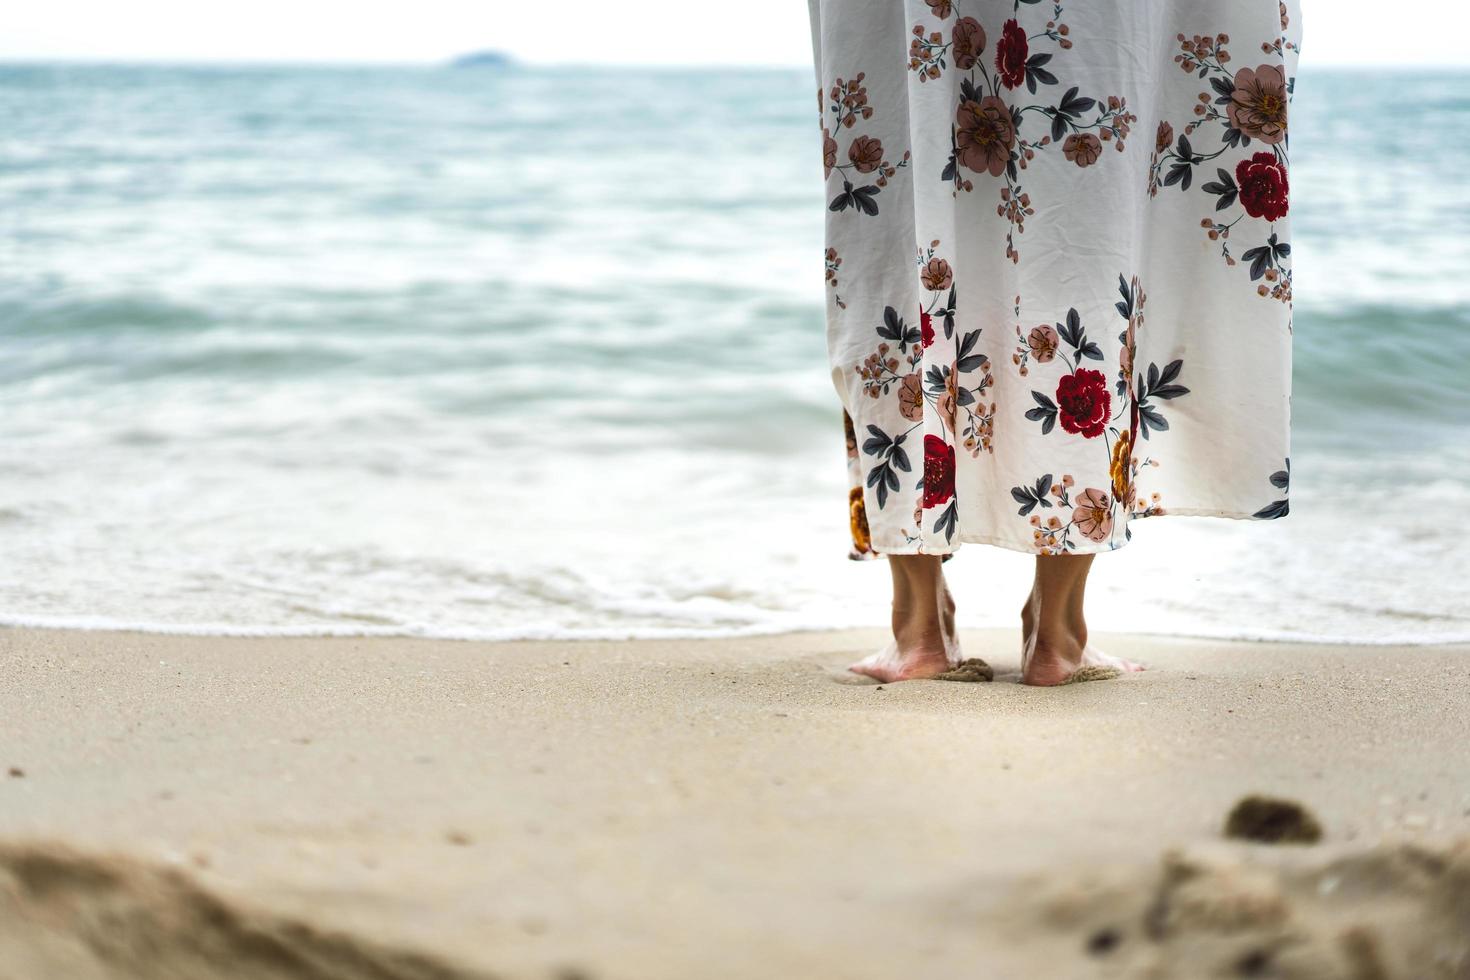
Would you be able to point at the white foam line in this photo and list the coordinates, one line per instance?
(510, 634)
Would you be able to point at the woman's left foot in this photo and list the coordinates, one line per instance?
(1054, 647)
(925, 645)
(891, 665)
(1045, 666)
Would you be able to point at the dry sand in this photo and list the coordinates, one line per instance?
(202, 808)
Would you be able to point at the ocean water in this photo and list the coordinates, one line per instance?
(539, 352)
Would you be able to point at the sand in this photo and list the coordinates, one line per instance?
(179, 807)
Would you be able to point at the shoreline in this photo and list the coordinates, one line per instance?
(720, 808)
(210, 631)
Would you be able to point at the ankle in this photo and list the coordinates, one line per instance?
(1066, 637)
(924, 628)
(931, 603)
(916, 623)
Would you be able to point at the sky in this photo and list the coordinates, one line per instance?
(762, 32)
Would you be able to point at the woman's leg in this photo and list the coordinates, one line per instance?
(924, 641)
(1053, 627)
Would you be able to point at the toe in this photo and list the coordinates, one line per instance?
(865, 669)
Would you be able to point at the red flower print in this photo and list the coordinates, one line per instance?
(1010, 54)
(926, 328)
(1263, 186)
(1083, 403)
(938, 471)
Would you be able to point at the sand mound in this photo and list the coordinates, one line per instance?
(1395, 912)
(1093, 672)
(66, 914)
(1399, 912)
(972, 671)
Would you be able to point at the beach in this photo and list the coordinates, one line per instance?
(425, 521)
(180, 806)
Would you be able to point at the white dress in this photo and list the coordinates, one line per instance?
(1058, 264)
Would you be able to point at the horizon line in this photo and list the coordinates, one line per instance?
(152, 61)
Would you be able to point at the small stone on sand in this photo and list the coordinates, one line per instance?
(16, 772)
(1103, 941)
(1254, 964)
(458, 838)
(1272, 821)
(972, 671)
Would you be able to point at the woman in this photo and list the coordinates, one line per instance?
(1059, 271)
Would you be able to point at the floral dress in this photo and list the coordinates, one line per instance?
(1058, 264)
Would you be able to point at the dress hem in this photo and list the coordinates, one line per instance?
(1009, 544)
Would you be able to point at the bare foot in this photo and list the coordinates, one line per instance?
(1065, 659)
(1044, 665)
(924, 646)
(1047, 667)
(890, 665)
(1054, 647)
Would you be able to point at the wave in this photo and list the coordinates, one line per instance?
(1407, 364)
(54, 310)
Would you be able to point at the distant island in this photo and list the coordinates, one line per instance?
(483, 59)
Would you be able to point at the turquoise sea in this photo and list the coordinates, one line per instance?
(538, 352)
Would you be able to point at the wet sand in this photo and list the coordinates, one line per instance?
(344, 808)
